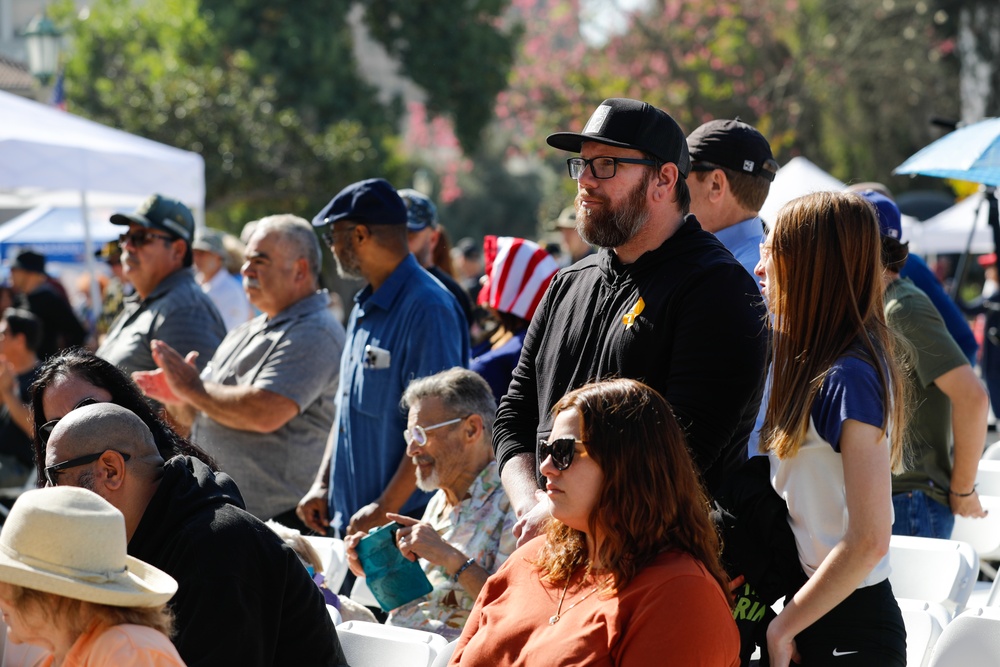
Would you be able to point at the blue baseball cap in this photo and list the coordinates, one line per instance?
(372, 202)
(420, 210)
(889, 220)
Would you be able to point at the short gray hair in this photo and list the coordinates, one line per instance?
(298, 232)
(460, 390)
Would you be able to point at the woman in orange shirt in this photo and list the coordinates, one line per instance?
(629, 567)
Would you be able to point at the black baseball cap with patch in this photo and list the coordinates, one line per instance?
(163, 213)
(735, 145)
(630, 124)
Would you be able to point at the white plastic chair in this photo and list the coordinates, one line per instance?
(972, 639)
(940, 571)
(983, 534)
(988, 477)
(992, 452)
(376, 645)
(924, 623)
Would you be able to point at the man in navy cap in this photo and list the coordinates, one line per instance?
(945, 437)
(46, 300)
(404, 325)
(663, 302)
(167, 305)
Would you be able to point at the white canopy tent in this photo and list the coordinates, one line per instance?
(44, 148)
(796, 178)
(948, 231)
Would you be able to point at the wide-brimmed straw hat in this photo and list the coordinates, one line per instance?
(71, 542)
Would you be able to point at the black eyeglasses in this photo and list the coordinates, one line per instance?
(601, 166)
(52, 471)
(329, 235)
(45, 430)
(142, 237)
(561, 450)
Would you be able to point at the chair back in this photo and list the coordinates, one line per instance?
(988, 477)
(940, 571)
(983, 534)
(376, 645)
(972, 639)
(923, 627)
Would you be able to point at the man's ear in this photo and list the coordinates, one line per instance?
(472, 429)
(111, 470)
(719, 184)
(665, 181)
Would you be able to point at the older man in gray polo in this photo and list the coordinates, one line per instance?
(264, 404)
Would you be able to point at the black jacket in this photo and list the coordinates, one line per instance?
(243, 599)
(699, 339)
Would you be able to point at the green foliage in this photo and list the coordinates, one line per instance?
(454, 51)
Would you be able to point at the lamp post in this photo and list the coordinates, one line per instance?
(44, 42)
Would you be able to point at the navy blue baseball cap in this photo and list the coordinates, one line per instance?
(372, 202)
(889, 220)
(421, 212)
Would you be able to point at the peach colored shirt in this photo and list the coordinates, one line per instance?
(673, 609)
(120, 646)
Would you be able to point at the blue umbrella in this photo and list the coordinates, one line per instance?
(971, 153)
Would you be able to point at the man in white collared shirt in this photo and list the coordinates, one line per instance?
(224, 289)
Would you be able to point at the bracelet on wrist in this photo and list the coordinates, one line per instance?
(963, 495)
(467, 564)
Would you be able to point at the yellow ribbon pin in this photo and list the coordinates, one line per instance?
(629, 318)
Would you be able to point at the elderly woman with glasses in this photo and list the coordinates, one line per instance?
(465, 533)
(628, 572)
(68, 587)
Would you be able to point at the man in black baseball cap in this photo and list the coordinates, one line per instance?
(662, 301)
(732, 169)
(168, 304)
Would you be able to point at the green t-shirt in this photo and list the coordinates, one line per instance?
(929, 438)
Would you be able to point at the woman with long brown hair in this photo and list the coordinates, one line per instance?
(629, 568)
(833, 430)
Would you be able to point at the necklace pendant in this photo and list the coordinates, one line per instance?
(553, 619)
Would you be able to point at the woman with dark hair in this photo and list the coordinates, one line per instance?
(628, 570)
(76, 377)
(833, 430)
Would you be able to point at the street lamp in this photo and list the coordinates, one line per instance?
(44, 41)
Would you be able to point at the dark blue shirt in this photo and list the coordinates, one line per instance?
(409, 328)
(852, 390)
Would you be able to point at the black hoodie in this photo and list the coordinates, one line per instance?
(243, 597)
(698, 338)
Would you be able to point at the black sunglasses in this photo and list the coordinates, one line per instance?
(561, 450)
(142, 237)
(52, 471)
(45, 430)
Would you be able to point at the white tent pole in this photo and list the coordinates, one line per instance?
(89, 260)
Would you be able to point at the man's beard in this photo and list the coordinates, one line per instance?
(614, 226)
(432, 482)
(347, 262)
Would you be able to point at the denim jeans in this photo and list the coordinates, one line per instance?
(919, 515)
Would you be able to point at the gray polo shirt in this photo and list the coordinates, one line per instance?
(297, 355)
(176, 312)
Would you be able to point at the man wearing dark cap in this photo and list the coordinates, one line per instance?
(46, 301)
(167, 305)
(404, 326)
(663, 302)
(423, 234)
(732, 168)
(574, 243)
(945, 437)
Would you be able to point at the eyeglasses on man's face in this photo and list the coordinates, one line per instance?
(52, 471)
(142, 237)
(418, 435)
(602, 167)
(561, 450)
(329, 235)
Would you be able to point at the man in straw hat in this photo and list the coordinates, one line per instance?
(68, 586)
(243, 597)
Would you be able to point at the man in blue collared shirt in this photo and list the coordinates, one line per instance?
(404, 325)
(731, 172)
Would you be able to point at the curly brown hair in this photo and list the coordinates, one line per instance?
(651, 499)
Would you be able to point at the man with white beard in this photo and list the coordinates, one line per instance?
(264, 404)
(663, 302)
(465, 532)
